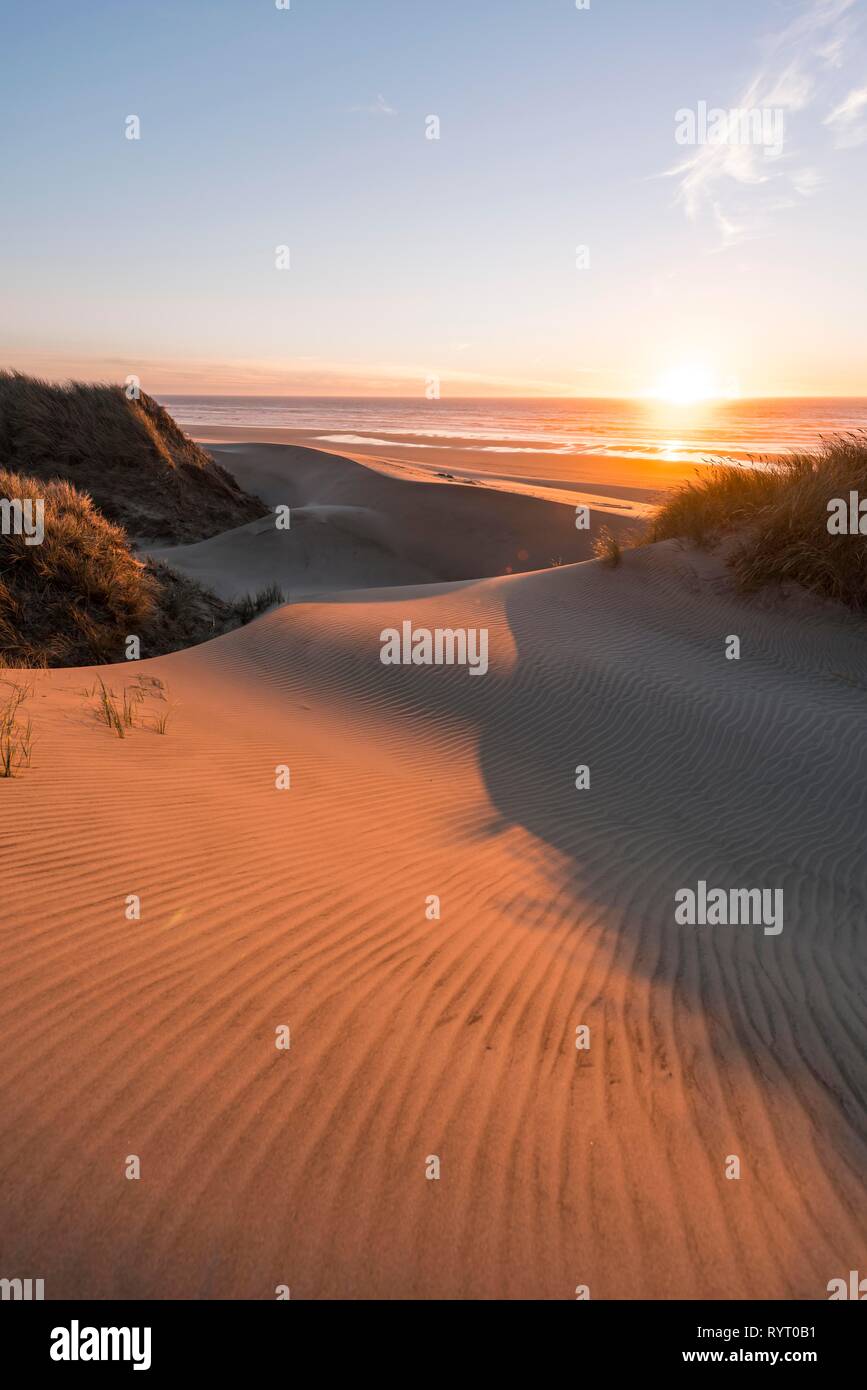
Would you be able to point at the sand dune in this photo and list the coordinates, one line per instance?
(636, 478)
(356, 527)
(455, 1037)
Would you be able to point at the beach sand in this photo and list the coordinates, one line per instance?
(454, 1037)
(358, 525)
(628, 483)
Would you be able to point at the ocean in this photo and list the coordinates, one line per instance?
(553, 442)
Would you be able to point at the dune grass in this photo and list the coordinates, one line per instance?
(119, 717)
(607, 548)
(252, 605)
(16, 734)
(108, 712)
(108, 469)
(75, 598)
(776, 516)
(122, 712)
(129, 455)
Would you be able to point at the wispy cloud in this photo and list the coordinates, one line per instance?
(849, 119)
(813, 22)
(807, 181)
(736, 185)
(380, 107)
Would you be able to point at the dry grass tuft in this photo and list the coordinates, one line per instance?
(607, 548)
(129, 456)
(107, 468)
(74, 599)
(16, 733)
(252, 605)
(122, 712)
(778, 514)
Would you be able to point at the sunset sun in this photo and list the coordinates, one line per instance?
(689, 383)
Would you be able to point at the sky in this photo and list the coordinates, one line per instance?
(719, 268)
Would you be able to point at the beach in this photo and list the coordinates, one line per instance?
(433, 674)
(396, 864)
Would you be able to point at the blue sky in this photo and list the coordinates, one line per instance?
(412, 257)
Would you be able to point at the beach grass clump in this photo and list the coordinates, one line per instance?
(108, 711)
(16, 733)
(122, 712)
(71, 597)
(125, 451)
(132, 698)
(252, 605)
(777, 517)
(73, 591)
(607, 548)
(160, 722)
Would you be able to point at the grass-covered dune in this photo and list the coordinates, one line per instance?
(781, 520)
(76, 597)
(139, 468)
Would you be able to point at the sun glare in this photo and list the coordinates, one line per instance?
(689, 383)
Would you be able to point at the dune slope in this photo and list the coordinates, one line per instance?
(453, 1037)
(353, 527)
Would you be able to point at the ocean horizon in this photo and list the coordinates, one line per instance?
(541, 434)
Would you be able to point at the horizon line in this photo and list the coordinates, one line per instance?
(445, 400)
